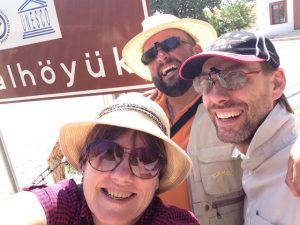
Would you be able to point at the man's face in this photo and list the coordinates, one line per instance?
(165, 67)
(237, 114)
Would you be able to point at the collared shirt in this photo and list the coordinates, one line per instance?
(268, 198)
(236, 153)
(181, 138)
(64, 203)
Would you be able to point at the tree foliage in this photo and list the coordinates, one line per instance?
(234, 15)
(224, 16)
(184, 8)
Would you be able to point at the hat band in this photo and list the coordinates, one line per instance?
(134, 107)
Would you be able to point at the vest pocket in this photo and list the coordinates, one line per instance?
(220, 173)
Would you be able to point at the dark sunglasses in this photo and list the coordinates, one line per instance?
(166, 45)
(104, 156)
(229, 79)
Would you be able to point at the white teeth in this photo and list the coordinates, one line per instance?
(118, 195)
(228, 114)
(167, 68)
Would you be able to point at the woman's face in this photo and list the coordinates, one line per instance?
(118, 196)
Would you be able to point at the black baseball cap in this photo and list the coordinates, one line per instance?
(241, 46)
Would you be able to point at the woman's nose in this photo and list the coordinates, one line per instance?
(122, 173)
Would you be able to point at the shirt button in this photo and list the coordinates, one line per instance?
(250, 172)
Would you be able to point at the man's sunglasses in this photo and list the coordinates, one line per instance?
(231, 80)
(104, 156)
(166, 45)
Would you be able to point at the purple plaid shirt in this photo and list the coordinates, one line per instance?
(64, 203)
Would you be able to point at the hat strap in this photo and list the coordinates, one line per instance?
(135, 107)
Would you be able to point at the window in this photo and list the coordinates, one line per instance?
(278, 13)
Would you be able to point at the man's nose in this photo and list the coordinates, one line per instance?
(162, 55)
(218, 94)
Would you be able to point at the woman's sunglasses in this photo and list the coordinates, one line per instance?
(228, 79)
(104, 156)
(166, 45)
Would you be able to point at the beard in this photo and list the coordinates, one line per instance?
(177, 88)
(173, 88)
(244, 133)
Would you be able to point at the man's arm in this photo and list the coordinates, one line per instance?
(292, 178)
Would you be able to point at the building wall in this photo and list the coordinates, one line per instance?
(297, 14)
(263, 18)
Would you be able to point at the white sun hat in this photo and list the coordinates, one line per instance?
(202, 32)
(136, 112)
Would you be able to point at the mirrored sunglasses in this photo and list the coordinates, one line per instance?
(231, 80)
(104, 156)
(166, 45)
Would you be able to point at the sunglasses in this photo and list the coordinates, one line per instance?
(104, 156)
(231, 80)
(166, 45)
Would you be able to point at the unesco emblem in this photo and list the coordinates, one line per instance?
(4, 27)
(35, 18)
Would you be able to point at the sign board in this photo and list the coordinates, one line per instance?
(64, 48)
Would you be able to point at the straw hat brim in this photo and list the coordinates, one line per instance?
(73, 136)
(202, 32)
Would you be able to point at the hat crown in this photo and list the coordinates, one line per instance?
(138, 103)
(247, 43)
(157, 20)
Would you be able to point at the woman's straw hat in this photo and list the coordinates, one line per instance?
(136, 112)
(202, 32)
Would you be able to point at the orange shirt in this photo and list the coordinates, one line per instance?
(178, 196)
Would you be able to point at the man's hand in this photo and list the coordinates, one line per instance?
(292, 178)
(153, 94)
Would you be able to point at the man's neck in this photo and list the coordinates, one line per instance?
(176, 104)
(243, 148)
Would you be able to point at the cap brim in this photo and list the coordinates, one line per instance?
(73, 135)
(192, 67)
(202, 32)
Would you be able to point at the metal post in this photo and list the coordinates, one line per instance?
(4, 157)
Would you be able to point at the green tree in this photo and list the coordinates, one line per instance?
(184, 8)
(224, 16)
(233, 15)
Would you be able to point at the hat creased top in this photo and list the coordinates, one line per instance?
(202, 32)
(135, 107)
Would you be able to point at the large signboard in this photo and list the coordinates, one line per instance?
(63, 48)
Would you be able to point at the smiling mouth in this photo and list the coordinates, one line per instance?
(117, 195)
(168, 69)
(228, 115)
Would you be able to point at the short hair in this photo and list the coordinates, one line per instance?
(283, 101)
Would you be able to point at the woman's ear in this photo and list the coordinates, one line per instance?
(198, 49)
(279, 83)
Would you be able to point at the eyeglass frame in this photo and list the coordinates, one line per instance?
(161, 159)
(220, 74)
(162, 45)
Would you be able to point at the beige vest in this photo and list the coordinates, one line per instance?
(216, 179)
